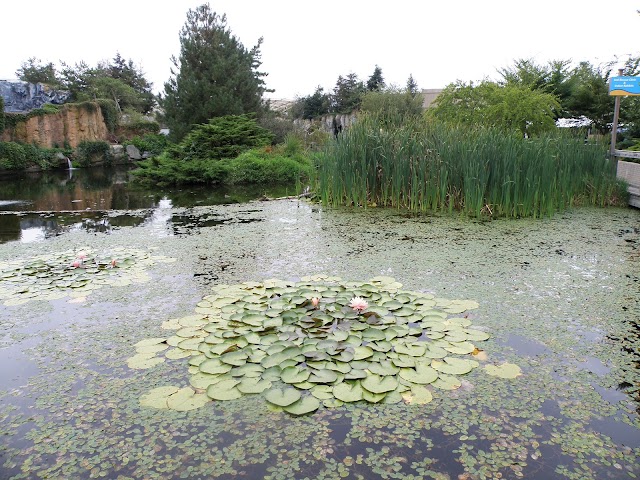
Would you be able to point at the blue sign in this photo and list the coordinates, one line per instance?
(622, 86)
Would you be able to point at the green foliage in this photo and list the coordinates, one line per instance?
(262, 167)
(109, 113)
(1, 114)
(347, 94)
(376, 81)
(256, 166)
(582, 90)
(512, 107)
(120, 81)
(412, 86)
(134, 124)
(33, 71)
(215, 75)
(17, 156)
(392, 103)
(428, 166)
(312, 106)
(88, 152)
(155, 144)
(222, 137)
(279, 127)
(12, 156)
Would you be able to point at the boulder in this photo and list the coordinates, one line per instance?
(133, 153)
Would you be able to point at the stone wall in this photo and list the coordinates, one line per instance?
(72, 124)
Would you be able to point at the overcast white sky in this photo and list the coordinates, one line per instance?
(310, 43)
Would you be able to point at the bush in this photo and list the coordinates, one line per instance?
(92, 151)
(392, 103)
(12, 156)
(279, 127)
(222, 137)
(109, 113)
(257, 166)
(261, 167)
(155, 144)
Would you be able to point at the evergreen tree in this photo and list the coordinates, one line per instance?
(215, 75)
(376, 81)
(127, 73)
(412, 86)
(33, 71)
(347, 94)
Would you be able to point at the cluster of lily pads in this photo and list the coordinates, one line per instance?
(317, 340)
(72, 273)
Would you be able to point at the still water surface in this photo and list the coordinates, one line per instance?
(36, 206)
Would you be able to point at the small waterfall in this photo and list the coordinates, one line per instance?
(69, 163)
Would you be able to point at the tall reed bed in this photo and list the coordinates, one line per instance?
(423, 166)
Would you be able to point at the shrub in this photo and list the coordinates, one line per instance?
(279, 127)
(155, 144)
(392, 103)
(92, 151)
(12, 156)
(222, 137)
(261, 167)
(257, 166)
(109, 113)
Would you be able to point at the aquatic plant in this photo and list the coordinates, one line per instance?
(426, 166)
(72, 273)
(317, 340)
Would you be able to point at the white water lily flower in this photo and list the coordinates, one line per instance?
(358, 304)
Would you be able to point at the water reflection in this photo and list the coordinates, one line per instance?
(37, 206)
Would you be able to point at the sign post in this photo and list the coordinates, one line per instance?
(621, 86)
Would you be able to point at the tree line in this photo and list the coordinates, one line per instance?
(216, 75)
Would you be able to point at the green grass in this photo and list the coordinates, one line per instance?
(424, 166)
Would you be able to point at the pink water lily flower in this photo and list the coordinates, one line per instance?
(113, 263)
(358, 304)
(76, 264)
(315, 301)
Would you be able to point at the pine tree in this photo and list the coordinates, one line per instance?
(412, 86)
(215, 75)
(376, 81)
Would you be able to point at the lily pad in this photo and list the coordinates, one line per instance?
(422, 374)
(157, 397)
(186, 399)
(379, 384)
(506, 370)
(348, 392)
(303, 406)
(282, 398)
(225, 390)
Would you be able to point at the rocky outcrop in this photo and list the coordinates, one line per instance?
(22, 96)
(72, 124)
(329, 123)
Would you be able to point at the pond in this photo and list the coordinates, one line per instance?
(35, 206)
(558, 297)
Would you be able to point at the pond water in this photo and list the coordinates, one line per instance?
(36, 206)
(559, 298)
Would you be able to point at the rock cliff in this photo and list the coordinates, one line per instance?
(72, 124)
(24, 96)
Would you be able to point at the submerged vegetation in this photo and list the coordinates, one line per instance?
(426, 166)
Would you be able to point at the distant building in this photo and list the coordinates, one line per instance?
(429, 95)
